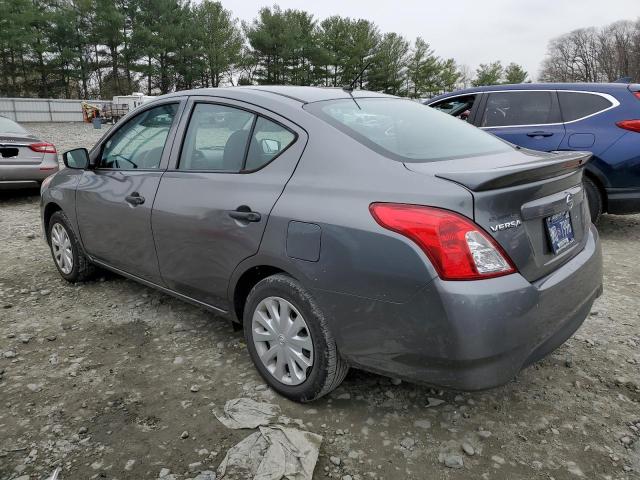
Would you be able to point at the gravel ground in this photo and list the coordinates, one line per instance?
(99, 379)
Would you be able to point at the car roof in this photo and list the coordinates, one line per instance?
(297, 93)
(588, 87)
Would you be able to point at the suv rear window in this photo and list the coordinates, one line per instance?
(576, 105)
(405, 130)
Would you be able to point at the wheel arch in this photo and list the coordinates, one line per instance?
(258, 267)
(49, 210)
(598, 182)
(245, 282)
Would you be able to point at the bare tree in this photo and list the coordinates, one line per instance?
(594, 55)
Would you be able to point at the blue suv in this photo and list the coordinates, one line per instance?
(603, 118)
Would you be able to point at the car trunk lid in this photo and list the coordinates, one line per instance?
(527, 201)
(15, 150)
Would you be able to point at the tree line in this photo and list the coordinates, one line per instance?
(102, 48)
(595, 54)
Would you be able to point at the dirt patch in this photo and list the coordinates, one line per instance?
(96, 378)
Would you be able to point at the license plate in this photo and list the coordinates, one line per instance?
(8, 152)
(560, 231)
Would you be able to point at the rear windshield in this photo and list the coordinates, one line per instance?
(406, 131)
(9, 126)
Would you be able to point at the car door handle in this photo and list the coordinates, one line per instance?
(539, 134)
(134, 199)
(244, 216)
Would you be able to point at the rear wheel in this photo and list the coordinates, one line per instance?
(289, 341)
(67, 253)
(594, 198)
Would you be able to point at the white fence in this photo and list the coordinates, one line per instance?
(42, 109)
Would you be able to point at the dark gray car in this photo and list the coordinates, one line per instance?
(341, 229)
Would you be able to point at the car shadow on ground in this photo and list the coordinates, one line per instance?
(19, 195)
(619, 226)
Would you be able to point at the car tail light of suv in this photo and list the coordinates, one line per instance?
(632, 125)
(458, 248)
(43, 147)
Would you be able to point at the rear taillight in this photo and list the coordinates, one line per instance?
(43, 147)
(632, 125)
(637, 95)
(458, 248)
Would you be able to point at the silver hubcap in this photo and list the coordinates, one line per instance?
(282, 340)
(61, 246)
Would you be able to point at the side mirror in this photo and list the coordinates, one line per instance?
(78, 158)
(270, 146)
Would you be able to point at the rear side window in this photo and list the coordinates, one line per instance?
(405, 130)
(227, 139)
(216, 138)
(576, 105)
(268, 141)
(520, 108)
(459, 107)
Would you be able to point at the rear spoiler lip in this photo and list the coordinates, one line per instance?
(544, 168)
(17, 140)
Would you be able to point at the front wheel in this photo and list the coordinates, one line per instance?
(289, 341)
(67, 253)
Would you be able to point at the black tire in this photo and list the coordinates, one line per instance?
(328, 369)
(594, 198)
(81, 269)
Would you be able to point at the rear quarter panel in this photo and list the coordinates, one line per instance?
(335, 182)
(620, 163)
(613, 155)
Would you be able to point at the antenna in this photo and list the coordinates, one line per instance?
(351, 86)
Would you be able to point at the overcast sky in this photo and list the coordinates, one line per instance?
(471, 31)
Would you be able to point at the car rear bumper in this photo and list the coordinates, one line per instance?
(18, 184)
(468, 335)
(621, 201)
(25, 176)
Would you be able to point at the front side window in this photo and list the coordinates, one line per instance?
(519, 108)
(227, 139)
(576, 105)
(459, 107)
(139, 143)
(406, 131)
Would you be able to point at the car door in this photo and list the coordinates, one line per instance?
(528, 118)
(214, 201)
(114, 199)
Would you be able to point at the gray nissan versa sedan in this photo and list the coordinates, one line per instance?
(341, 229)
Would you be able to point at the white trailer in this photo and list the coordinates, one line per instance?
(132, 101)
